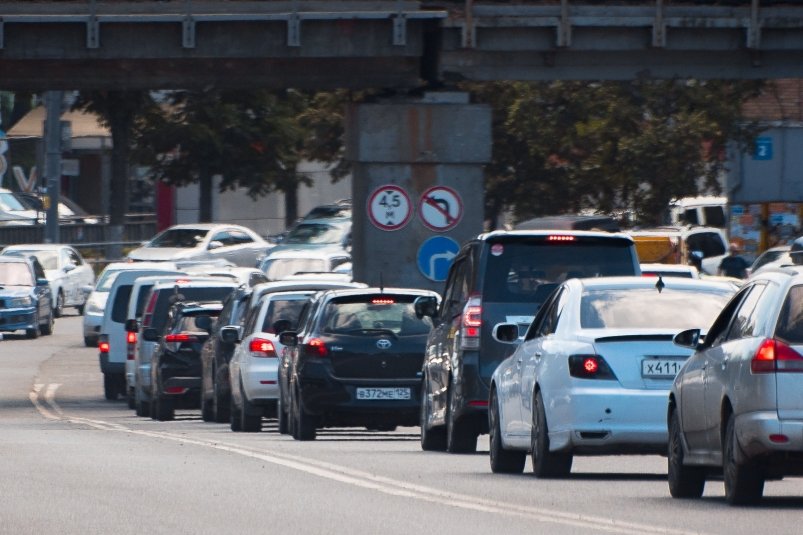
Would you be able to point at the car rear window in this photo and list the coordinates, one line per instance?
(201, 294)
(634, 308)
(120, 304)
(790, 323)
(283, 309)
(527, 270)
(280, 268)
(371, 313)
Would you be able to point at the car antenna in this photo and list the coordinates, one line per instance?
(659, 285)
(381, 284)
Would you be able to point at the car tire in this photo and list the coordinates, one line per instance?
(129, 397)
(207, 408)
(434, 438)
(235, 423)
(91, 341)
(58, 310)
(684, 481)
(109, 386)
(744, 483)
(502, 461)
(250, 415)
(460, 437)
(546, 464)
(305, 428)
(47, 328)
(221, 402)
(164, 409)
(282, 417)
(142, 407)
(35, 331)
(80, 309)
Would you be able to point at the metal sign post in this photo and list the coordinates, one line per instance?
(53, 100)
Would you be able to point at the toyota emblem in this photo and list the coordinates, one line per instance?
(384, 343)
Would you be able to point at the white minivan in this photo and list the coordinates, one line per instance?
(112, 341)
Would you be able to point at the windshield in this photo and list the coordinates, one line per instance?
(106, 280)
(315, 233)
(368, 313)
(280, 268)
(15, 274)
(185, 238)
(633, 308)
(48, 259)
(10, 203)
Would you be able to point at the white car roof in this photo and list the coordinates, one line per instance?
(647, 282)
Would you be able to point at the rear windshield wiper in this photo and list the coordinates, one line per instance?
(366, 330)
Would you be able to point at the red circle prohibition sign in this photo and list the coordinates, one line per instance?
(389, 207)
(440, 208)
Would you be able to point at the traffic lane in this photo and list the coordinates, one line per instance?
(624, 488)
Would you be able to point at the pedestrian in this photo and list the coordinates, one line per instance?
(734, 265)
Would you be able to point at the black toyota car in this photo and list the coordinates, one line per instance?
(355, 361)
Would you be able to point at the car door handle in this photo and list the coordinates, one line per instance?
(538, 355)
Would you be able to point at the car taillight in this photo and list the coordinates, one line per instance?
(259, 347)
(103, 346)
(131, 339)
(471, 323)
(316, 348)
(557, 238)
(775, 356)
(590, 367)
(180, 337)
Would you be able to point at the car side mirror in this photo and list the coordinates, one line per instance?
(689, 338)
(203, 322)
(42, 282)
(507, 333)
(426, 305)
(131, 325)
(87, 289)
(214, 244)
(69, 267)
(150, 335)
(230, 334)
(288, 338)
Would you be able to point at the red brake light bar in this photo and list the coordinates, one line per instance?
(555, 237)
(180, 337)
(383, 301)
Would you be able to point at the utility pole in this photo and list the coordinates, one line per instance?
(53, 104)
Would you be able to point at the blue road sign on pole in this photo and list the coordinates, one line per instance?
(435, 257)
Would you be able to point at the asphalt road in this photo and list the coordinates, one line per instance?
(72, 462)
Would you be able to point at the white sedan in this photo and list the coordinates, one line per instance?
(66, 271)
(593, 372)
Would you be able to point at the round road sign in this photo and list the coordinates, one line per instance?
(440, 208)
(435, 257)
(389, 207)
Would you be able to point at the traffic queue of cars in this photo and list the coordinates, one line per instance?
(552, 342)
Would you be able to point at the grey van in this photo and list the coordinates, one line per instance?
(501, 276)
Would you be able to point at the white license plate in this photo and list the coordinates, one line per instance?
(660, 368)
(383, 393)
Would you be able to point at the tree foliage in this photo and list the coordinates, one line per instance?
(613, 146)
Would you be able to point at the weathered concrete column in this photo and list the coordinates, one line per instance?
(417, 175)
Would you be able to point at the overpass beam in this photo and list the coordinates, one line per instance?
(405, 147)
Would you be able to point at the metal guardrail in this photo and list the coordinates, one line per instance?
(80, 235)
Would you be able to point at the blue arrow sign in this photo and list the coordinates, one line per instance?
(435, 257)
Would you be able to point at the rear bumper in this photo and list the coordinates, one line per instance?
(608, 420)
(753, 430)
(111, 367)
(260, 378)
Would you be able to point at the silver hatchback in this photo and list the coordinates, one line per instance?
(736, 407)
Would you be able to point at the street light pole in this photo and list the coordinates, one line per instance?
(53, 103)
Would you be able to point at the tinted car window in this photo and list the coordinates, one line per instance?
(708, 243)
(120, 305)
(790, 322)
(179, 237)
(314, 233)
(284, 309)
(142, 298)
(646, 307)
(528, 271)
(189, 294)
(715, 216)
(356, 314)
(745, 322)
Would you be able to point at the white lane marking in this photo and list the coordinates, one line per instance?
(366, 480)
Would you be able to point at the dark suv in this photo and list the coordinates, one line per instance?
(497, 277)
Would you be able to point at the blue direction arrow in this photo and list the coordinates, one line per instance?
(435, 257)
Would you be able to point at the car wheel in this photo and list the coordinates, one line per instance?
(109, 386)
(221, 402)
(546, 463)
(744, 483)
(91, 341)
(235, 423)
(80, 309)
(250, 415)
(684, 481)
(35, 331)
(502, 461)
(434, 438)
(47, 328)
(58, 310)
(207, 408)
(281, 416)
(304, 427)
(142, 407)
(460, 437)
(164, 409)
(129, 397)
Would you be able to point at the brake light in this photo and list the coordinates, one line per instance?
(382, 301)
(555, 238)
(260, 347)
(590, 367)
(471, 324)
(775, 356)
(180, 337)
(103, 347)
(316, 348)
(175, 390)
(131, 339)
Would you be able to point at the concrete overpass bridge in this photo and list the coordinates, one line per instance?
(83, 44)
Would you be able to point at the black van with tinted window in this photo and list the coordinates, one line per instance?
(501, 276)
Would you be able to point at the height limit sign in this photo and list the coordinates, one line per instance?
(440, 208)
(389, 207)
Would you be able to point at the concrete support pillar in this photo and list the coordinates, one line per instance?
(400, 150)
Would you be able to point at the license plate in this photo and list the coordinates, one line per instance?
(660, 368)
(383, 393)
